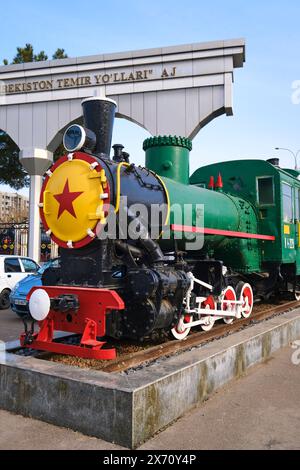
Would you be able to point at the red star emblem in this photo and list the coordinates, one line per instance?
(65, 200)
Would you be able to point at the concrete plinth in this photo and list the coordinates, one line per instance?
(129, 408)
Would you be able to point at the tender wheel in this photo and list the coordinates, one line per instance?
(228, 294)
(4, 299)
(245, 294)
(180, 331)
(209, 304)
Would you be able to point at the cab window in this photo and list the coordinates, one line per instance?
(265, 190)
(12, 265)
(287, 203)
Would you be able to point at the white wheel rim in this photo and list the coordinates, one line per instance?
(227, 320)
(247, 309)
(210, 319)
(179, 331)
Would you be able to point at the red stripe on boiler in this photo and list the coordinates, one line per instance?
(213, 231)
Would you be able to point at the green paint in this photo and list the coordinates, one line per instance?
(238, 207)
(240, 179)
(221, 211)
(168, 156)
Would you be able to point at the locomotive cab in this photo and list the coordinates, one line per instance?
(274, 194)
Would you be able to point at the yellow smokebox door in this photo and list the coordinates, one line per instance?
(71, 197)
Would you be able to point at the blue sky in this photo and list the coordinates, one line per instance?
(264, 115)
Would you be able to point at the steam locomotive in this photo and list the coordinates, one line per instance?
(129, 267)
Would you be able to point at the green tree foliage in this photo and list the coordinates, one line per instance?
(59, 152)
(59, 54)
(40, 57)
(11, 170)
(26, 54)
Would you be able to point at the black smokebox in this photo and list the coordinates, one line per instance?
(98, 116)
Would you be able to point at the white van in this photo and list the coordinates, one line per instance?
(12, 270)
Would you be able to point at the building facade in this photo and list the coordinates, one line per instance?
(13, 207)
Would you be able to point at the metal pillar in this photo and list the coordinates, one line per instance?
(36, 162)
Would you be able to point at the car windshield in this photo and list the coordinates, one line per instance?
(52, 263)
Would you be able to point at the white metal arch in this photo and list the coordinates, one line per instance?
(171, 90)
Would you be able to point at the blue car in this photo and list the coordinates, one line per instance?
(18, 302)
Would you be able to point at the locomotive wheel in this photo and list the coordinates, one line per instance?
(180, 331)
(209, 304)
(228, 294)
(245, 294)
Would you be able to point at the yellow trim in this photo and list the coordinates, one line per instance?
(118, 195)
(286, 230)
(46, 202)
(167, 196)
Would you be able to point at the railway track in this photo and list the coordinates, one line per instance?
(152, 353)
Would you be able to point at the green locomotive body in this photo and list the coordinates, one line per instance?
(251, 218)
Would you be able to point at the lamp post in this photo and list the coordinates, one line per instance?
(295, 154)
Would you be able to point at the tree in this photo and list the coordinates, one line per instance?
(40, 57)
(59, 152)
(59, 54)
(26, 54)
(11, 170)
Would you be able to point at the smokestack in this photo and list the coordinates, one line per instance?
(98, 116)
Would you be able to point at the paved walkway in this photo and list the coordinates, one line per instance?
(259, 411)
(10, 325)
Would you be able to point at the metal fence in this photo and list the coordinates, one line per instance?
(14, 241)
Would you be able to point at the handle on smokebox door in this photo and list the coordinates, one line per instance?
(46, 202)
